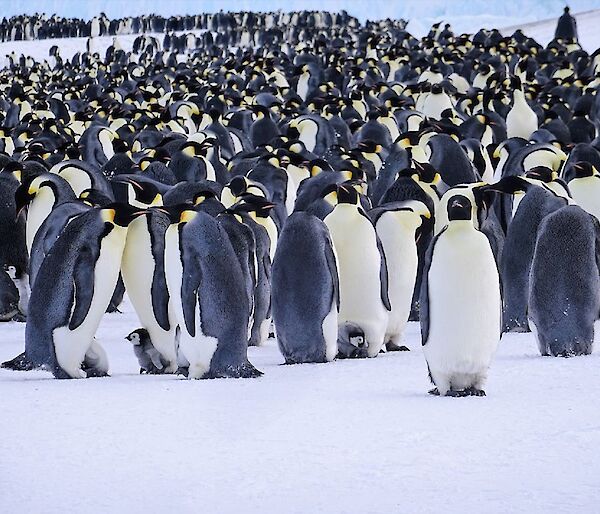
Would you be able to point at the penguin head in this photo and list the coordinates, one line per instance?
(94, 198)
(179, 214)
(138, 336)
(145, 192)
(120, 214)
(510, 185)
(28, 190)
(344, 193)
(585, 169)
(542, 173)
(252, 204)
(459, 208)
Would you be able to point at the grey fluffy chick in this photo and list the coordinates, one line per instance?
(151, 361)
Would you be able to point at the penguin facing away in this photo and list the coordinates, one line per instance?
(460, 305)
(564, 292)
(210, 305)
(305, 291)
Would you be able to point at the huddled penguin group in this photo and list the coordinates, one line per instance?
(305, 174)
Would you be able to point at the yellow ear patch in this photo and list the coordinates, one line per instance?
(108, 215)
(187, 216)
(332, 198)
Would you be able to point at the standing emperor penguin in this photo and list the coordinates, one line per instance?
(143, 271)
(305, 291)
(209, 296)
(461, 306)
(397, 224)
(363, 276)
(564, 291)
(72, 290)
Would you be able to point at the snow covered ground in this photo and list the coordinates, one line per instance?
(350, 436)
(346, 437)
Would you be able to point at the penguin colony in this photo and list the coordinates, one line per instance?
(302, 170)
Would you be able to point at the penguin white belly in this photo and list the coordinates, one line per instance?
(308, 135)
(541, 157)
(297, 175)
(521, 121)
(39, 209)
(517, 197)
(397, 233)
(290, 195)
(359, 264)
(464, 308)
(77, 179)
(392, 126)
(138, 270)
(106, 144)
(487, 138)
(71, 346)
(271, 228)
(435, 105)
(302, 87)
(586, 192)
(500, 166)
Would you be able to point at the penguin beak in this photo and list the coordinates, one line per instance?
(22, 198)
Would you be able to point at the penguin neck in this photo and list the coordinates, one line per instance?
(455, 226)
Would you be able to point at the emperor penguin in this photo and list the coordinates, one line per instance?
(585, 187)
(73, 288)
(363, 275)
(519, 246)
(305, 291)
(521, 120)
(460, 305)
(209, 298)
(397, 225)
(564, 290)
(143, 272)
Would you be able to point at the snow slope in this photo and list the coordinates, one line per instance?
(346, 437)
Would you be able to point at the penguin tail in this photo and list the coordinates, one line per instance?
(19, 363)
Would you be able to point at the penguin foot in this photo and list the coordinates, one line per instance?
(475, 392)
(434, 391)
(393, 347)
(461, 393)
(185, 371)
(19, 363)
(19, 317)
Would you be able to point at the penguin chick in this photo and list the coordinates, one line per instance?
(151, 361)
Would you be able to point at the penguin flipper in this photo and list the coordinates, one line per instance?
(332, 265)
(383, 276)
(424, 295)
(189, 292)
(83, 278)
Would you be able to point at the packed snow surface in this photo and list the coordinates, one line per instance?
(356, 436)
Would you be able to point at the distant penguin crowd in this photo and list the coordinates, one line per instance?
(304, 176)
